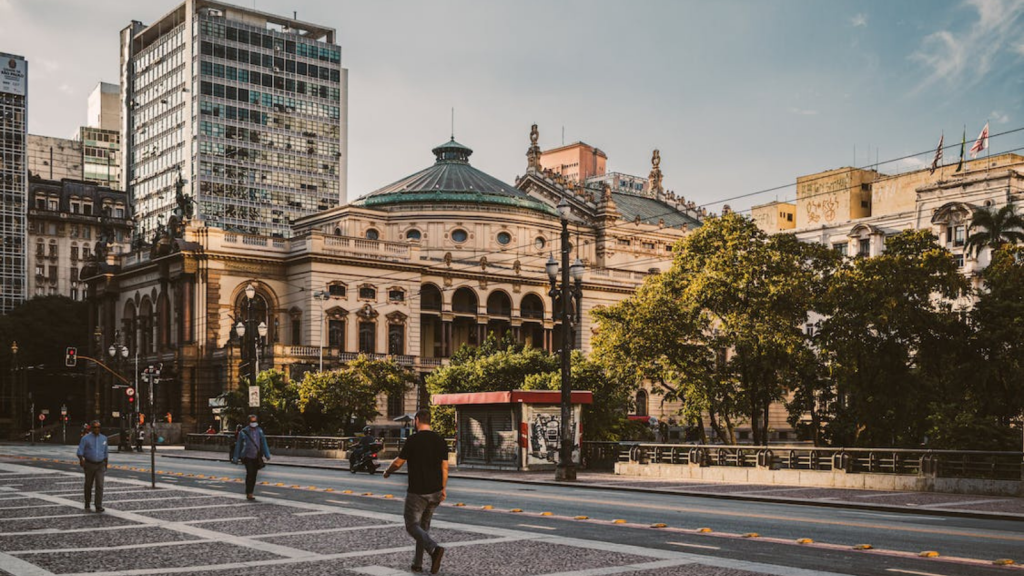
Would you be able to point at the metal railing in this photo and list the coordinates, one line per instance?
(935, 463)
(284, 444)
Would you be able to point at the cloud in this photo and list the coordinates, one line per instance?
(964, 57)
(910, 164)
(859, 21)
(1019, 48)
(999, 117)
(803, 112)
(66, 89)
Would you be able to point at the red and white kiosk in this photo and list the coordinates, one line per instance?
(517, 430)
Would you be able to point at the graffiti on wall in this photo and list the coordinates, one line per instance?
(544, 430)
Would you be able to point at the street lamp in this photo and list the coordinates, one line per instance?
(571, 295)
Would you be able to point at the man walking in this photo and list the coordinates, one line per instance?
(252, 449)
(427, 455)
(92, 457)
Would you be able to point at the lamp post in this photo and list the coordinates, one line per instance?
(322, 297)
(119, 354)
(261, 331)
(14, 382)
(571, 295)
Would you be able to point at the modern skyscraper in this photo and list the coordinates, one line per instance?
(249, 106)
(13, 179)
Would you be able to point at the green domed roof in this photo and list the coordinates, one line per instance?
(452, 180)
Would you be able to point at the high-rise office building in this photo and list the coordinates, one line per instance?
(251, 107)
(13, 179)
(101, 137)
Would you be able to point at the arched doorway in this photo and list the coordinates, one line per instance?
(499, 311)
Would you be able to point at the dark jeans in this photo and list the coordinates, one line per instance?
(419, 509)
(252, 466)
(94, 472)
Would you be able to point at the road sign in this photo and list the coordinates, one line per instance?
(115, 414)
(42, 417)
(63, 410)
(130, 391)
(45, 411)
(254, 396)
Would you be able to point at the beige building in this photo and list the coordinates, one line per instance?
(71, 223)
(413, 270)
(52, 158)
(576, 162)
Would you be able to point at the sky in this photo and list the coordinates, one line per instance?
(738, 95)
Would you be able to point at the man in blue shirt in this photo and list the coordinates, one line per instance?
(92, 457)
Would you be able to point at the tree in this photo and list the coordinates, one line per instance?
(342, 401)
(279, 404)
(995, 228)
(886, 331)
(722, 330)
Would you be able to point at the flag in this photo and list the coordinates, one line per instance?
(938, 154)
(981, 143)
(963, 146)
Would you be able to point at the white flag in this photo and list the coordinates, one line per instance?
(981, 143)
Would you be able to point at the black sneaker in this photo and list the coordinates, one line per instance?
(100, 509)
(415, 568)
(435, 559)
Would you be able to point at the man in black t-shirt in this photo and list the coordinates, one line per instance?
(427, 455)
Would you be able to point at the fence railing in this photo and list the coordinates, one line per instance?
(285, 444)
(934, 463)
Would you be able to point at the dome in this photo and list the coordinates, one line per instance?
(451, 180)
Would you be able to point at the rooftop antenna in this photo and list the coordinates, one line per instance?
(453, 122)
(295, 14)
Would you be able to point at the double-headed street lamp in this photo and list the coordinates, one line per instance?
(261, 330)
(119, 354)
(571, 296)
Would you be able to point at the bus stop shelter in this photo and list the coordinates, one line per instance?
(517, 430)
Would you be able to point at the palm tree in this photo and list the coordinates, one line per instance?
(994, 228)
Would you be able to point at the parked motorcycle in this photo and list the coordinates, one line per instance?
(365, 461)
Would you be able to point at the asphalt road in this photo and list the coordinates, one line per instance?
(965, 545)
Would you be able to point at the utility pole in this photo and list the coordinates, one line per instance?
(154, 376)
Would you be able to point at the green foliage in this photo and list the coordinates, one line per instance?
(279, 409)
(505, 366)
(994, 228)
(342, 401)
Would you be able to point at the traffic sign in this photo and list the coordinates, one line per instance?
(115, 414)
(42, 417)
(45, 411)
(63, 410)
(130, 391)
(254, 396)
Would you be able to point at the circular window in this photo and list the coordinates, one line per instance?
(460, 236)
(413, 234)
(539, 243)
(372, 234)
(504, 238)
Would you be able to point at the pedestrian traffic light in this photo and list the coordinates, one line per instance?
(71, 356)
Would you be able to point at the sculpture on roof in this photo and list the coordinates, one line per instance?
(533, 153)
(654, 180)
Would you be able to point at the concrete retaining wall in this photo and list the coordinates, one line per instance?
(822, 479)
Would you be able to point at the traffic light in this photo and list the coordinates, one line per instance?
(71, 356)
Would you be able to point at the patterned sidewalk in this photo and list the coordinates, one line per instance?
(197, 531)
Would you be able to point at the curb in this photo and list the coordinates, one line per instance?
(741, 497)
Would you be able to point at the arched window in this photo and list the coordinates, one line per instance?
(413, 234)
(499, 304)
(532, 307)
(641, 403)
(430, 298)
(464, 300)
(372, 234)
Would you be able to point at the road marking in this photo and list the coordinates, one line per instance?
(536, 527)
(900, 516)
(694, 545)
(19, 567)
(315, 513)
(964, 503)
(151, 510)
(71, 515)
(26, 507)
(212, 520)
(327, 530)
(916, 573)
(378, 571)
(121, 547)
(116, 502)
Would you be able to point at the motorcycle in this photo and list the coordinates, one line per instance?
(365, 462)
